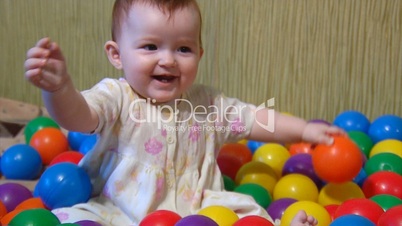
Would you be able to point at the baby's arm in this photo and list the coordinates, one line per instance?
(290, 129)
(45, 67)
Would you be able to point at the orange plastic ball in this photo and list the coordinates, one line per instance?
(49, 142)
(3, 209)
(31, 203)
(300, 148)
(339, 162)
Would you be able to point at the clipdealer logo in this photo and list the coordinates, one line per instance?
(269, 124)
(200, 114)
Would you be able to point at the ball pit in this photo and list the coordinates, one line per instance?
(376, 182)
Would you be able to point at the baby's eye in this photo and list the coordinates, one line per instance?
(150, 47)
(184, 49)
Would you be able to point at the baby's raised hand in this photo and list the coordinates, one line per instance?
(45, 66)
(320, 133)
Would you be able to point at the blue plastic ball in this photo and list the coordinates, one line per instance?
(254, 145)
(351, 220)
(75, 139)
(21, 162)
(352, 121)
(87, 144)
(386, 127)
(63, 185)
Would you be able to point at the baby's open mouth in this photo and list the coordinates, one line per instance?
(164, 78)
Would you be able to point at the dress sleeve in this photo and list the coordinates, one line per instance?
(105, 98)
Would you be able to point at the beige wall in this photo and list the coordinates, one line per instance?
(316, 57)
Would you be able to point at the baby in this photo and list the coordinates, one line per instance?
(159, 134)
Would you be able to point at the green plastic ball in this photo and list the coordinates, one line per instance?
(35, 217)
(36, 124)
(258, 192)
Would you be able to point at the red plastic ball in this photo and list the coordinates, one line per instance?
(160, 218)
(360, 206)
(49, 142)
(331, 210)
(383, 182)
(68, 156)
(232, 157)
(392, 217)
(253, 220)
(339, 162)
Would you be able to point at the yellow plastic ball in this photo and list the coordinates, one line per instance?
(255, 172)
(243, 141)
(273, 154)
(387, 146)
(337, 193)
(296, 186)
(311, 208)
(223, 216)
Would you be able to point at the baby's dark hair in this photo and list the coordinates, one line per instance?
(121, 9)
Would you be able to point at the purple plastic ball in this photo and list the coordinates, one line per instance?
(12, 194)
(88, 223)
(302, 163)
(196, 220)
(277, 207)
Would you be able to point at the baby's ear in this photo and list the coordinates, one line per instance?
(113, 54)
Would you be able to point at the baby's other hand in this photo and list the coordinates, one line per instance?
(45, 66)
(320, 133)
(301, 219)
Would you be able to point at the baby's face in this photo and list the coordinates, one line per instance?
(160, 54)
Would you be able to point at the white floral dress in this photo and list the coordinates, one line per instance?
(151, 157)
